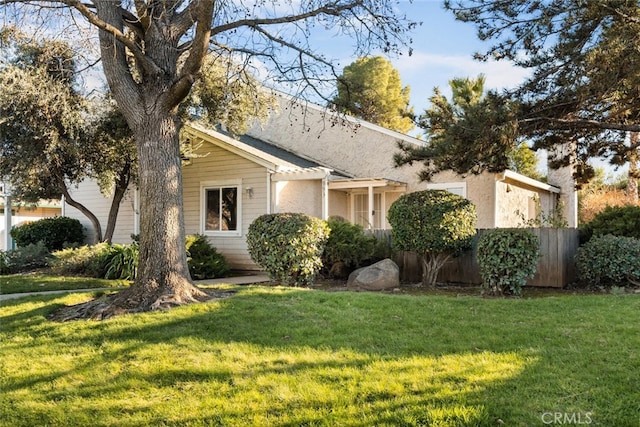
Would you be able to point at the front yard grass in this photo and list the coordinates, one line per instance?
(37, 282)
(280, 356)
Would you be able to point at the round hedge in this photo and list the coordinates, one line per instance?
(432, 221)
(507, 258)
(56, 233)
(608, 260)
(288, 246)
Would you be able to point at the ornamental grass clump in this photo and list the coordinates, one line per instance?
(607, 261)
(507, 259)
(434, 224)
(288, 246)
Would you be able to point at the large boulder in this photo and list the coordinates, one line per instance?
(382, 275)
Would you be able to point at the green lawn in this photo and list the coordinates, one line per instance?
(291, 357)
(37, 282)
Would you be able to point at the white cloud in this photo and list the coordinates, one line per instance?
(424, 71)
(499, 74)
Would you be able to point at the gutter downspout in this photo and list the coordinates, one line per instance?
(269, 183)
(136, 211)
(325, 196)
(499, 178)
(371, 206)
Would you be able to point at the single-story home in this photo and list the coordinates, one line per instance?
(12, 214)
(304, 159)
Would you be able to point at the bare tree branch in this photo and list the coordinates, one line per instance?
(324, 10)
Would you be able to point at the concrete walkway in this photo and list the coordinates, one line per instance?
(237, 280)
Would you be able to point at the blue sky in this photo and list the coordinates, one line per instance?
(443, 49)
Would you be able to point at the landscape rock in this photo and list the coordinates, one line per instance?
(377, 277)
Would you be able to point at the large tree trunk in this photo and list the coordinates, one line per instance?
(149, 99)
(163, 276)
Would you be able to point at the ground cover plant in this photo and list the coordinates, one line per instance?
(290, 356)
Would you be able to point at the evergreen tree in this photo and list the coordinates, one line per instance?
(370, 88)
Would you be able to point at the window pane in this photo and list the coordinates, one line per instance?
(456, 190)
(229, 208)
(213, 210)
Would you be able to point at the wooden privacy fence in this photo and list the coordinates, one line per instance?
(556, 267)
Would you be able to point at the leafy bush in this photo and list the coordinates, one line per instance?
(615, 220)
(26, 258)
(288, 246)
(507, 258)
(347, 245)
(86, 260)
(123, 262)
(4, 266)
(205, 262)
(56, 233)
(607, 261)
(434, 224)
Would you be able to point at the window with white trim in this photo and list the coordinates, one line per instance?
(221, 210)
(459, 188)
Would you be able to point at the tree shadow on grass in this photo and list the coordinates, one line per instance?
(299, 357)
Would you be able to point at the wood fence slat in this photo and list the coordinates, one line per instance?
(556, 267)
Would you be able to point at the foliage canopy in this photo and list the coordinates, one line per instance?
(435, 224)
(370, 88)
(582, 90)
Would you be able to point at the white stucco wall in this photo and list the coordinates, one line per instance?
(302, 196)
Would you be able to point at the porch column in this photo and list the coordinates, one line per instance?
(371, 207)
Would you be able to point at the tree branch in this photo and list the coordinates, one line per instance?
(198, 49)
(324, 10)
(583, 123)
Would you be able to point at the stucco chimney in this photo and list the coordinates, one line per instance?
(563, 178)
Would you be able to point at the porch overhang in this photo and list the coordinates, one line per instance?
(354, 184)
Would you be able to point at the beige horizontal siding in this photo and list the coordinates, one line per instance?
(88, 193)
(219, 165)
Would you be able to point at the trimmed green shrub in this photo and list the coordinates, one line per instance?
(204, 261)
(615, 220)
(56, 233)
(90, 261)
(607, 261)
(288, 246)
(27, 258)
(434, 224)
(123, 262)
(507, 258)
(347, 246)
